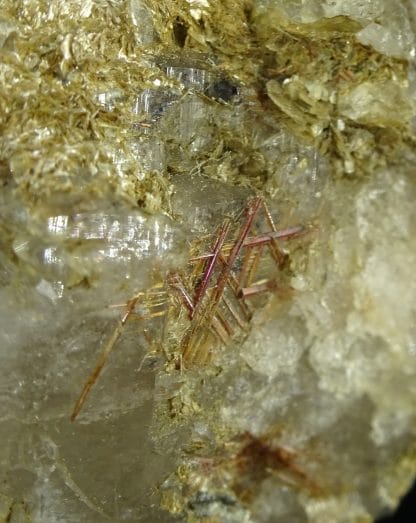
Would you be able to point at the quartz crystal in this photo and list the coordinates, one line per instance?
(207, 243)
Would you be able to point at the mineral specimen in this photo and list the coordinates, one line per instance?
(217, 196)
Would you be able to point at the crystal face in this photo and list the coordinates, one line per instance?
(207, 221)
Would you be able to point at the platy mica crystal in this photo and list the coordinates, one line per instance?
(207, 252)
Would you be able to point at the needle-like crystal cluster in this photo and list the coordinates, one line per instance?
(213, 293)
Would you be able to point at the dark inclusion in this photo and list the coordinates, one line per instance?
(222, 90)
(180, 32)
(203, 500)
